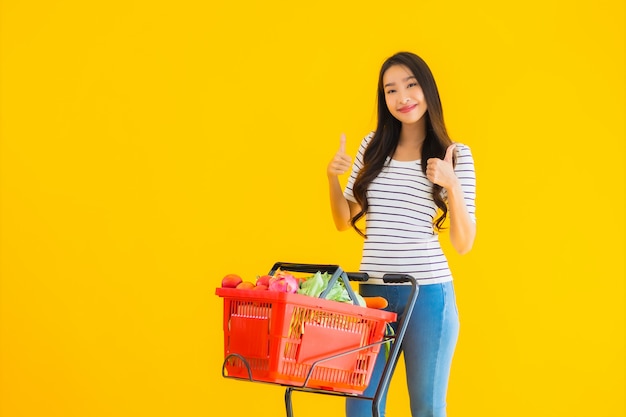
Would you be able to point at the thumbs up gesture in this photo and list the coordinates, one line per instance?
(441, 171)
(341, 162)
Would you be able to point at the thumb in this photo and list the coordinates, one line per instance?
(449, 153)
(342, 143)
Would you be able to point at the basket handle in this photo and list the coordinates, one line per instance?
(337, 274)
(309, 268)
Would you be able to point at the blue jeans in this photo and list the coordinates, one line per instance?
(427, 347)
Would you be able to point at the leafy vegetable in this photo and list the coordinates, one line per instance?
(313, 286)
(316, 284)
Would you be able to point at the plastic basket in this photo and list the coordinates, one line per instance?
(297, 340)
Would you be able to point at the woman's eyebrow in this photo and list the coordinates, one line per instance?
(405, 80)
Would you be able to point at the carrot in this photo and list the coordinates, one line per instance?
(376, 302)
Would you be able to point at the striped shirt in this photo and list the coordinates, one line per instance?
(400, 219)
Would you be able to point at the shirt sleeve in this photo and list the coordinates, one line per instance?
(466, 174)
(356, 167)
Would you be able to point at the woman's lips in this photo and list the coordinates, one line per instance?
(407, 109)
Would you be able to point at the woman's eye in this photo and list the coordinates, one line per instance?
(412, 85)
(391, 91)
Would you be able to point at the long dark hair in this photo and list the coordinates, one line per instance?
(385, 140)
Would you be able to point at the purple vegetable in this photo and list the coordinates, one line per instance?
(284, 282)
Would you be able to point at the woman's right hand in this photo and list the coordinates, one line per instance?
(341, 208)
(341, 162)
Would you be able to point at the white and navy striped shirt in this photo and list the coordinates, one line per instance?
(400, 219)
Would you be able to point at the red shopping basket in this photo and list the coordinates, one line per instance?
(297, 340)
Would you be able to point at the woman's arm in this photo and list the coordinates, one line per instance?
(462, 226)
(342, 209)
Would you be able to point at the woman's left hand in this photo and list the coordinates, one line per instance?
(441, 171)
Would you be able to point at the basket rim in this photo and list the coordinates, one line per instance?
(305, 301)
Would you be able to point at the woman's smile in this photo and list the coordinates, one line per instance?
(407, 109)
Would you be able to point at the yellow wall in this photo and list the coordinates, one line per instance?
(151, 147)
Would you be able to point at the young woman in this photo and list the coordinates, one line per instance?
(409, 177)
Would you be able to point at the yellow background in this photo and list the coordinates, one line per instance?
(151, 147)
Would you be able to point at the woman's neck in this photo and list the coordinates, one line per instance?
(410, 143)
(413, 134)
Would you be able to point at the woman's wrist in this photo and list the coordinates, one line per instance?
(454, 187)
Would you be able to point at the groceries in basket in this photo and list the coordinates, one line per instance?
(311, 285)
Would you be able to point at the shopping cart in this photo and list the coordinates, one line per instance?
(311, 344)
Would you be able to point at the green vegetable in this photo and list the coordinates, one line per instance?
(338, 293)
(313, 286)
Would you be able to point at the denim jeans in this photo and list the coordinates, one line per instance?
(428, 347)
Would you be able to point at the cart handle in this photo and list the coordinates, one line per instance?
(399, 278)
(388, 278)
(358, 276)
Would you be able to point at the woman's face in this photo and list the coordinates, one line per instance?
(403, 95)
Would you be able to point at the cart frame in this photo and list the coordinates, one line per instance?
(396, 339)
